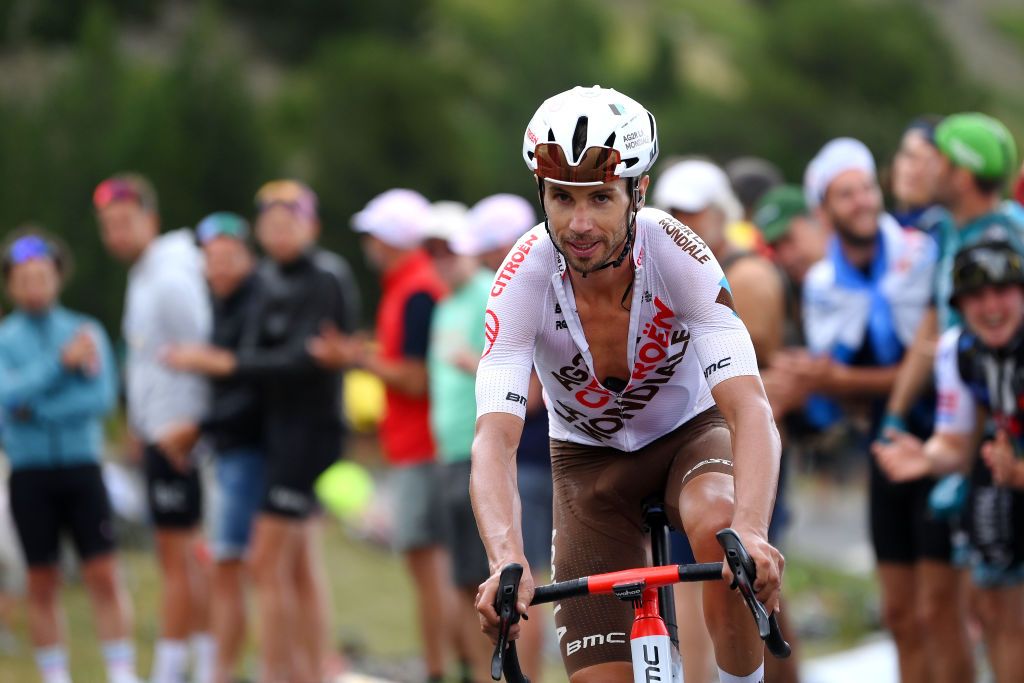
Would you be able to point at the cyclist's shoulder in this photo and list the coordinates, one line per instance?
(668, 241)
(530, 263)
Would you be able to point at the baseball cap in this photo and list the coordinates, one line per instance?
(979, 143)
(222, 224)
(289, 193)
(695, 185)
(777, 208)
(497, 221)
(836, 157)
(399, 217)
(125, 186)
(446, 219)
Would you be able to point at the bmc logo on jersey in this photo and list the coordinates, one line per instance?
(718, 365)
(515, 398)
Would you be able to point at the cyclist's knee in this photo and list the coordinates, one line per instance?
(705, 514)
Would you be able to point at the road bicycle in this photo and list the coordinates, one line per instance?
(653, 641)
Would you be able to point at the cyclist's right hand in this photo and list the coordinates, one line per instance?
(489, 622)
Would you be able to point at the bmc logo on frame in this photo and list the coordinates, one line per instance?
(574, 646)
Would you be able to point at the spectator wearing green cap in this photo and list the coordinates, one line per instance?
(232, 425)
(978, 156)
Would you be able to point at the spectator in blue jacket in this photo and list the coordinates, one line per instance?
(57, 382)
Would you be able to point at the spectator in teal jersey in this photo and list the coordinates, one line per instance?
(456, 342)
(57, 382)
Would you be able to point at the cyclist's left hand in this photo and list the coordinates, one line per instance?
(769, 563)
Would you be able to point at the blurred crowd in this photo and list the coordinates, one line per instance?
(843, 280)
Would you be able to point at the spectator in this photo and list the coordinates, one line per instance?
(862, 304)
(392, 227)
(915, 170)
(303, 289)
(166, 303)
(57, 383)
(234, 426)
(457, 339)
(750, 178)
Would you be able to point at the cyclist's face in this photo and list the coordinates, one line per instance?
(283, 233)
(126, 229)
(588, 223)
(852, 203)
(228, 263)
(34, 284)
(994, 313)
(915, 170)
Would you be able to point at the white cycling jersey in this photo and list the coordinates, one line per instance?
(684, 337)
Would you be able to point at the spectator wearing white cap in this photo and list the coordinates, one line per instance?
(698, 193)
(862, 305)
(393, 226)
(457, 340)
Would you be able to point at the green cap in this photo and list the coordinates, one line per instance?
(979, 143)
(777, 208)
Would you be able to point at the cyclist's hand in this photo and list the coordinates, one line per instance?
(769, 564)
(489, 622)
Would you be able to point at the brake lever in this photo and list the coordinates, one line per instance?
(505, 657)
(744, 573)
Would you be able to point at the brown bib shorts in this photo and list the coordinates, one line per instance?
(598, 524)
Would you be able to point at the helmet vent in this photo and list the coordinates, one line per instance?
(610, 142)
(579, 138)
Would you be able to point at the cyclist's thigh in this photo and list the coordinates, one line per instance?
(597, 529)
(700, 446)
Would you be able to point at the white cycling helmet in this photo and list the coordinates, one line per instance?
(590, 136)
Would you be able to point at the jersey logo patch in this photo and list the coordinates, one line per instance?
(725, 296)
(491, 327)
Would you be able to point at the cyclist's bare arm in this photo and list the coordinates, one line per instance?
(756, 453)
(916, 367)
(498, 511)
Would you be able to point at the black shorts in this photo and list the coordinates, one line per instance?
(469, 559)
(46, 502)
(175, 498)
(902, 529)
(298, 452)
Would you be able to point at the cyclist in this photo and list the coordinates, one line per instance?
(165, 303)
(607, 298)
(979, 373)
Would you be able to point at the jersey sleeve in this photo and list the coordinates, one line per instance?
(510, 329)
(718, 335)
(956, 410)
